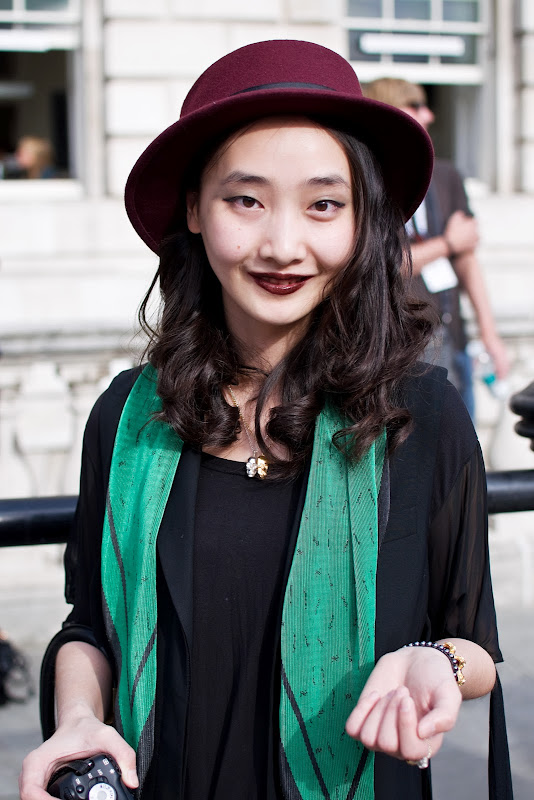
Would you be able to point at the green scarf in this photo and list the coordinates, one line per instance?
(327, 636)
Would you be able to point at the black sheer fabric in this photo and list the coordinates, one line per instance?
(433, 580)
(460, 591)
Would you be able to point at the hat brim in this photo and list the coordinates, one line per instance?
(401, 146)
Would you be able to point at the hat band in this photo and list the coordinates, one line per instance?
(285, 85)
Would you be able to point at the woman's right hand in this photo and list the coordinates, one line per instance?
(80, 736)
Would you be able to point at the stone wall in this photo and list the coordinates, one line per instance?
(525, 92)
(153, 52)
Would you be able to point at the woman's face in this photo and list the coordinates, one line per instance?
(276, 216)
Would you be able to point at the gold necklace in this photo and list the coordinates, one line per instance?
(257, 465)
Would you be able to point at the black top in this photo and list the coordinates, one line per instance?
(242, 529)
(432, 580)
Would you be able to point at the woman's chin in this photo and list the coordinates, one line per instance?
(272, 324)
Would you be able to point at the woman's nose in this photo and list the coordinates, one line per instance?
(427, 115)
(283, 240)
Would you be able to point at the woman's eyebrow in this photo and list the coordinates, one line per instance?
(244, 177)
(239, 177)
(329, 180)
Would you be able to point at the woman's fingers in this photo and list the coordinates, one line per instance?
(32, 779)
(126, 764)
(387, 738)
(123, 754)
(411, 746)
(80, 741)
(442, 717)
(37, 769)
(379, 729)
(360, 712)
(390, 724)
(409, 701)
(371, 725)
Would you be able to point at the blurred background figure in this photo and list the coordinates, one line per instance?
(35, 158)
(444, 236)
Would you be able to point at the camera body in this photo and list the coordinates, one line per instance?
(94, 778)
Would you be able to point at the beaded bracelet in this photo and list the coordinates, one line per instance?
(449, 650)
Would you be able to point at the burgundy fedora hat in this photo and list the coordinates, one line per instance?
(265, 79)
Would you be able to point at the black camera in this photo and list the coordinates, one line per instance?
(95, 778)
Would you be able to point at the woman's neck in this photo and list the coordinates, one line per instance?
(262, 346)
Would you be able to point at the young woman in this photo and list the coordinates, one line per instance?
(282, 498)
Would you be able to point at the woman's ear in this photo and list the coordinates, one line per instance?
(192, 212)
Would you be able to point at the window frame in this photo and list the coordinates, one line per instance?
(20, 15)
(433, 70)
(39, 32)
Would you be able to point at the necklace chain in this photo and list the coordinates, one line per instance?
(257, 464)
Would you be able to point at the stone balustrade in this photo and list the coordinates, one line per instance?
(48, 385)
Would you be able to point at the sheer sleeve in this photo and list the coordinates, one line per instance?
(461, 598)
(82, 556)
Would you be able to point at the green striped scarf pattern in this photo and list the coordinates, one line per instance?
(328, 621)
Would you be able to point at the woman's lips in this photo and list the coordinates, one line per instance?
(279, 284)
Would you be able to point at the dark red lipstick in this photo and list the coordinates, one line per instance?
(275, 283)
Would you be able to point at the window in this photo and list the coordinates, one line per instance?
(447, 10)
(461, 10)
(19, 7)
(38, 39)
(365, 8)
(433, 32)
(47, 5)
(412, 9)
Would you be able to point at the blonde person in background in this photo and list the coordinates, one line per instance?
(35, 156)
(444, 234)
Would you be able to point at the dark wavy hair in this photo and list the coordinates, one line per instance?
(364, 337)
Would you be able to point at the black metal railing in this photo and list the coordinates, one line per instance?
(47, 520)
(510, 491)
(36, 520)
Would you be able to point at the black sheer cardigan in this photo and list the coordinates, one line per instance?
(433, 576)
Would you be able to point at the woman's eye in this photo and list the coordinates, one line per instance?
(243, 201)
(327, 205)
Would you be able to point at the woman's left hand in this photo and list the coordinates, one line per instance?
(409, 701)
